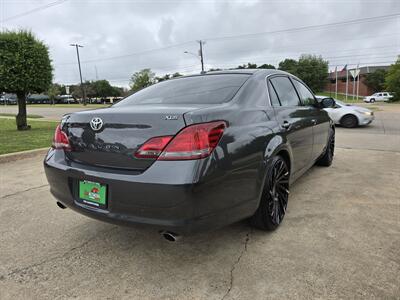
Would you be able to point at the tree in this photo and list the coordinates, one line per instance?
(142, 79)
(117, 91)
(248, 66)
(25, 67)
(376, 80)
(177, 74)
(251, 66)
(163, 78)
(53, 91)
(392, 80)
(289, 65)
(313, 70)
(102, 88)
(76, 90)
(266, 66)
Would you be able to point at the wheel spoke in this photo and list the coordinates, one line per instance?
(283, 196)
(282, 188)
(277, 219)
(283, 206)
(281, 169)
(283, 174)
(283, 181)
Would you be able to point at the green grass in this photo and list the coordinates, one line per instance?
(342, 97)
(12, 140)
(13, 115)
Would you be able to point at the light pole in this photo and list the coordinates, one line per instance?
(200, 55)
(201, 43)
(77, 46)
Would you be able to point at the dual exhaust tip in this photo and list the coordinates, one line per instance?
(60, 205)
(169, 236)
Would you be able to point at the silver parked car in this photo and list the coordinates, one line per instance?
(348, 115)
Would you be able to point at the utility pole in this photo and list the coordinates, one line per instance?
(201, 43)
(199, 55)
(77, 46)
(97, 76)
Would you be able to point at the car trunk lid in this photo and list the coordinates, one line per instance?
(123, 131)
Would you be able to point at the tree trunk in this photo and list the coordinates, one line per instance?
(21, 117)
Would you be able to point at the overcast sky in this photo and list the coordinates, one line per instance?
(121, 37)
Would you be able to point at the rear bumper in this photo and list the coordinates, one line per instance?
(168, 196)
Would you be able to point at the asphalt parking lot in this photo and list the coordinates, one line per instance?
(340, 238)
(46, 111)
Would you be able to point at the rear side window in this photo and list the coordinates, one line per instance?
(208, 89)
(285, 91)
(306, 97)
(273, 96)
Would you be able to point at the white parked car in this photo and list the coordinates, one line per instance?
(383, 96)
(348, 115)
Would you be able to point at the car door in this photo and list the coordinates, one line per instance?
(319, 118)
(293, 119)
(385, 96)
(379, 97)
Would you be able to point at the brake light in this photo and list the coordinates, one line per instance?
(153, 147)
(60, 140)
(194, 142)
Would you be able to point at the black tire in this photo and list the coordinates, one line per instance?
(327, 158)
(274, 199)
(372, 100)
(349, 121)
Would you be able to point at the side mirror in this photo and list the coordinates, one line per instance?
(327, 102)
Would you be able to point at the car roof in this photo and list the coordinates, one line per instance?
(262, 72)
(249, 71)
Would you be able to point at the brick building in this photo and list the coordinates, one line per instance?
(341, 78)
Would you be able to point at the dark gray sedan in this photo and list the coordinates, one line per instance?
(193, 153)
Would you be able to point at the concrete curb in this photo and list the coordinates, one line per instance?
(5, 158)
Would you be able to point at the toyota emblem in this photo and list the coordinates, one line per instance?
(96, 124)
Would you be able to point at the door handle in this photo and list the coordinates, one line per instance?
(286, 125)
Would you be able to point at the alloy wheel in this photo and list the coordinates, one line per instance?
(278, 191)
(349, 121)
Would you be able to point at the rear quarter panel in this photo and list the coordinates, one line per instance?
(235, 172)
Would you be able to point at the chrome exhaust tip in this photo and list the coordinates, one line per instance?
(170, 236)
(60, 205)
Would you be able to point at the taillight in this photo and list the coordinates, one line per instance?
(60, 140)
(194, 142)
(153, 147)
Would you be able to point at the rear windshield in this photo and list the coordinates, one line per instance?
(209, 89)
